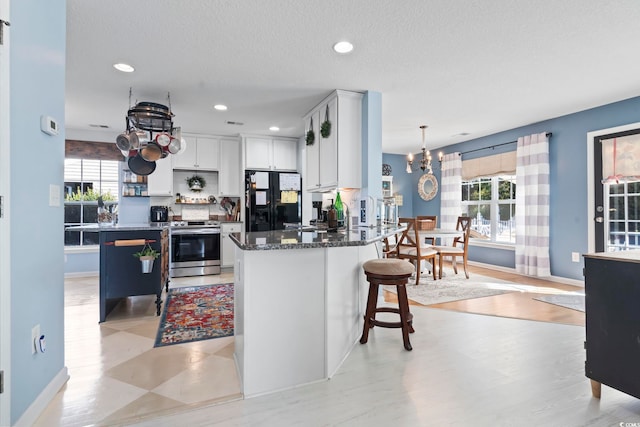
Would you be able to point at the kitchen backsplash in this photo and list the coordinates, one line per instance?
(197, 202)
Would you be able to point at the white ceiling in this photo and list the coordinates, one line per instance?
(455, 65)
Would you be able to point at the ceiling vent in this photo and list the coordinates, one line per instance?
(230, 122)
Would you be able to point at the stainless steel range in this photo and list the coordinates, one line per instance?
(195, 248)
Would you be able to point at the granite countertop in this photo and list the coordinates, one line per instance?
(117, 227)
(306, 238)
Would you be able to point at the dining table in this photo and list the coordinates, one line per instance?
(440, 233)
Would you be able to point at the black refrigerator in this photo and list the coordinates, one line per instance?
(272, 200)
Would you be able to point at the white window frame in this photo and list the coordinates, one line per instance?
(494, 204)
(626, 234)
(98, 185)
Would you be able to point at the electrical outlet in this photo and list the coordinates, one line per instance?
(35, 336)
(575, 256)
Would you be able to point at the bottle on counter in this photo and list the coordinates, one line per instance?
(332, 218)
(339, 210)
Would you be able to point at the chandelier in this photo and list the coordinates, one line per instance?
(425, 162)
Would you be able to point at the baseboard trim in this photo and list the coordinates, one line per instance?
(81, 274)
(556, 279)
(44, 398)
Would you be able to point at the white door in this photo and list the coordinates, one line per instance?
(4, 219)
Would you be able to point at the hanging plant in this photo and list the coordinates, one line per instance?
(196, 183)
(325, 127)
(311, 136)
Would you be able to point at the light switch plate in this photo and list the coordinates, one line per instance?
(54, 195)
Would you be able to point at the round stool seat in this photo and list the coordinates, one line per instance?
(388, 267)
(389, 272)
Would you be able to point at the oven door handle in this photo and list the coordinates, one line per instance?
(197, 231)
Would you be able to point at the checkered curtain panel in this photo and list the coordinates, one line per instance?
(450, 190)
(532, 206)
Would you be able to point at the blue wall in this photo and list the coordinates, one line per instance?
(37, 67)
(568, 167)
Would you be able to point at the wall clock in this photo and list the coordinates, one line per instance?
(386, 169)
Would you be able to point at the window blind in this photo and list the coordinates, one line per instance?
(498, 164)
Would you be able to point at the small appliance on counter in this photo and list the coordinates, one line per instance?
(159, 214)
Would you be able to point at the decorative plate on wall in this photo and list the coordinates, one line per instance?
(427, 186)
(386, 169)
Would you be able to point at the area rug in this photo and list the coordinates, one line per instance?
(196, 313)
(455, 288)
(574, 302)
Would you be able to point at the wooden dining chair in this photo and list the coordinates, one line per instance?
(409, 247)
(459, 248)
(427, 222)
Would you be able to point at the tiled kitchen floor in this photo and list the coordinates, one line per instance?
(118, 378)
(116, 374)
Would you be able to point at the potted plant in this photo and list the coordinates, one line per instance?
(196, 183)
(147, 255)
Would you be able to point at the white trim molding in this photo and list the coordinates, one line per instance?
(591, 209)
(36, 408)
(555, 279)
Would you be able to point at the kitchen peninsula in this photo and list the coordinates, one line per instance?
(299, 301)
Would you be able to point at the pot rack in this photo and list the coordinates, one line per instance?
(150, 116)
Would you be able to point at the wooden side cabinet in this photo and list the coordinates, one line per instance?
(612, 295)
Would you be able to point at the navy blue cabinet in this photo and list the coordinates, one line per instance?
(121, 273)
(612, 295)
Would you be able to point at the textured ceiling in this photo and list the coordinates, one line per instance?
(458, 66)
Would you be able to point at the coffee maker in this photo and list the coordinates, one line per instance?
(317, 215)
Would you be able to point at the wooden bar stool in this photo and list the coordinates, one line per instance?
(388, 271)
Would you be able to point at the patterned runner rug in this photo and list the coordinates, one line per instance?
(196, 313)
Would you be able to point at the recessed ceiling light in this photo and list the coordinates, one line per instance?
(274, 128)
(343, 47)
(220, 107)
(125, 68)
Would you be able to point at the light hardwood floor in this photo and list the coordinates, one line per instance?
(465, 369)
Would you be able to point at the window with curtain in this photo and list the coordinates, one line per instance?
(489, 196)
(491, 204)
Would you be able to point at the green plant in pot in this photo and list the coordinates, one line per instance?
(196, 183)
(146, 256)
(147, 252)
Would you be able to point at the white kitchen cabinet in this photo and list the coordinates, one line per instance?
(336, 161)
(266, 153)
(160, 182)
(285, 154)
(227, 246)
(201, 152)
(229, 180)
